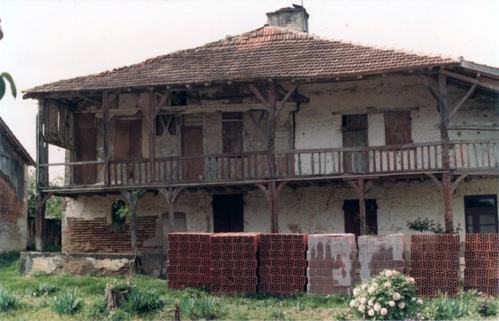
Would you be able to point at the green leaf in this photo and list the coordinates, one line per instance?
(11, 82)
(2, 87)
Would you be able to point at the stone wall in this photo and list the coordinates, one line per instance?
(77, 264)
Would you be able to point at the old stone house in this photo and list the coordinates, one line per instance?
(273, 130)
(14, 162)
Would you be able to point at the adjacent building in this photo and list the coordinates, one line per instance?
(14, 162)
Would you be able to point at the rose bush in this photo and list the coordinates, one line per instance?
(387, 296)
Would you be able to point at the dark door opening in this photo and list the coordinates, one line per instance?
(354, 129)
(481, 213)
(228, 213)
(352, 217)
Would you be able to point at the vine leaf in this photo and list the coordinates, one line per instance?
(8, 77)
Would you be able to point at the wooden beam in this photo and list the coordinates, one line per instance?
(428, 86)
(141, 106)
(457, 181)
(444, 134)
(460, 103)
(436, 181)
(259, 96)
(284, 100)
(475, 126)
(170, 194)
(460, 77)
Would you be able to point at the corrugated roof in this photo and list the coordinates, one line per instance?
(265, 53)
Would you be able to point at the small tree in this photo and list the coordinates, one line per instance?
(53, 207)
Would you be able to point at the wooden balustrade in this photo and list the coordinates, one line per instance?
(399, 159)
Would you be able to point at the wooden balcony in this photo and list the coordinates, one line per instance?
(220, 169)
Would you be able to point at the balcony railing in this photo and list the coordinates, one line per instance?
(253, 166)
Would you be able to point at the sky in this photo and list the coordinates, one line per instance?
(45, 41)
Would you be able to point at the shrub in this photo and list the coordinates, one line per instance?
(67, 303)
(487, 306)
(188, 309)
(388, 296)
(44, 289)
(7, 300)
(140, 301)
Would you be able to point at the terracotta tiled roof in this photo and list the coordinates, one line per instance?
(265, 53)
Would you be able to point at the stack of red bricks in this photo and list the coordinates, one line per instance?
(234, 263)
(282, 263)
(381, 252)
(188, 260)
(435, 263)
(331, 268)
(481, 270)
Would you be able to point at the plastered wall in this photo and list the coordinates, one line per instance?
(314, 209)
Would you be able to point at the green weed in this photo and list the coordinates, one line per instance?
(140, 301)
(44, 289)
(7, 300)
(67, 303)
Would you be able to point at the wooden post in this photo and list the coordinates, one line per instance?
(42, 178)
(360, 188)
(271, 130)
(170, 194)
(152, 135)
(105, 134)
(444, 135)
(272, 192)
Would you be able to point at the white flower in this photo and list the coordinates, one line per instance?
(375, 285)
(377, 307)
(413, 299)
(363, 300)
(401, 305)
(356, 291)
(387, 285)
(391, 303)
(388, 273)
(384, 311)
(410, 280)
(370, 290)
(371, 312)
(352, 303)
(396, 296)
(370, 302)
(364, 286)
(419, 301)
(362, 308)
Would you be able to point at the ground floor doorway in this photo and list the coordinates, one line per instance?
(228, 213)
(352, 217)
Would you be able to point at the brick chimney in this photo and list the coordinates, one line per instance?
(295, 18)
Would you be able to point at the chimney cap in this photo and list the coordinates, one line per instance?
(295, 18)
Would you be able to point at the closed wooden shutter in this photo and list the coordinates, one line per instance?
(398, 128)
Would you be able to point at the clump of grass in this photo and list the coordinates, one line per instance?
(44, 289)
(67, 303)
(95, 310)
(119, 315)
(140, 301)
(8, 300)
(39, 274)
(204, 308)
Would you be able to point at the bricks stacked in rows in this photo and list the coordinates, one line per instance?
(283, 263)
(234, 263)
(331, 260)
(380, 252)
(189, 260)
(481, 256)
(435, 263)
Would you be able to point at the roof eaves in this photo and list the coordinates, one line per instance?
(12, 138)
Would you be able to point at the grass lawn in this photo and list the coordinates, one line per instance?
(36, 296)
